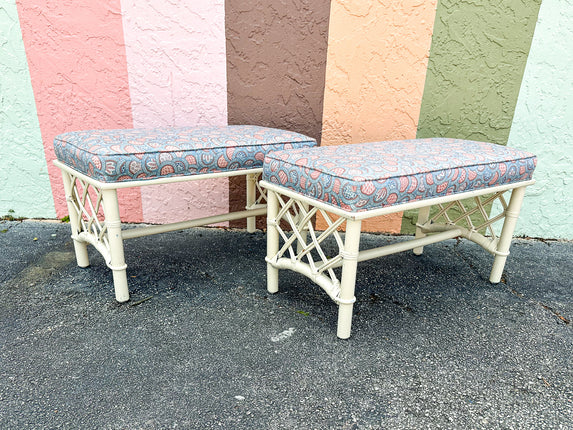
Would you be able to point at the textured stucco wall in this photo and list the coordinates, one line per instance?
(374, 80)
(24, 182)
(77, 63)
(478, 55)
(276, 60)
(177, 77)
(119, 63)
(543, 124)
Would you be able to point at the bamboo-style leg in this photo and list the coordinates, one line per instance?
(303, 230)
(272, 241)
(502, 250)
(117, 259)
(348, 278)
(251, 198)
(80, 247)
(423, 216)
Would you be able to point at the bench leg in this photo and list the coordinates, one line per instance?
(502, 250)
(272, 241)
(117, 259)
(251, 199)
(423, 216)
(80, 247)
(303, 229)
(348, 278)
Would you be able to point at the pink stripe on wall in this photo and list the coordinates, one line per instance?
(78, 67)
(177, 76)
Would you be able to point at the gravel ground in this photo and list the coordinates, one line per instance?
(203, 345)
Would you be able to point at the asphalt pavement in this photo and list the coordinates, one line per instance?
(202, 345)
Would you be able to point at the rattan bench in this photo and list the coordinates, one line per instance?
(96, 163)
(346, 184)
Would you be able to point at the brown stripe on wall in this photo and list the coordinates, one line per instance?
(276, 63)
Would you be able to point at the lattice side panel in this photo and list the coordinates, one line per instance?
(261, 198)
(476, 217)
(87, 202)
(304, 246)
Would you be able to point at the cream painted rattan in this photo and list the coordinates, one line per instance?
(452, 219)
(94, 216)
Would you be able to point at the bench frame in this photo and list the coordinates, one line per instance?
(309, 259)
(93, 209)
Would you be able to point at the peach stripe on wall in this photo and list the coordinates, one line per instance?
(177, 77)
(78, 69)
(375, 73)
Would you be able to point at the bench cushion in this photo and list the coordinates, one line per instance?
(136, 154)
(367, 176)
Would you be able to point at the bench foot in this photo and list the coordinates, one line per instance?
(116, 261)
(346, 297)
(89, 225)
(80, 247)
(502, 250)
(251, 200)
(272, 243)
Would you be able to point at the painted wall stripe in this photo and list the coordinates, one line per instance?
(24, 182)
(276, 60)
(77, 64)
(477, 59)
(543, 124)
(177, 77)
(376, 68)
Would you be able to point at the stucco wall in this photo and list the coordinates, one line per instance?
(343, 71)
(543, 124)
(177, 77)
(374, 82)
(75, 51)
(23, 163)
(276, 60)
(478, 55)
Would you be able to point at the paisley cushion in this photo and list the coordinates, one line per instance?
(136, 154)
(367, 176)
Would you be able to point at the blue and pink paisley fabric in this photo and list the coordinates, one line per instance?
(136, 154)
(361, 177)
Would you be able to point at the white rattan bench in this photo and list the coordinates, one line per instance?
(96, 163)
(347, 184)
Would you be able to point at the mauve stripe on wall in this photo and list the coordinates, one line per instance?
(77, 63)
(276, 61)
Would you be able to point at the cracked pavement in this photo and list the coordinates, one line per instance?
(202, 344)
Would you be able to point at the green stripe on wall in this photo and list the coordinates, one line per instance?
(477, 59)
(24, 182)
(478, 55)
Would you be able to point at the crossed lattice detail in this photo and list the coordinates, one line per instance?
(475, 219)
(302, 244)
(87, 202)
(261, 192)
